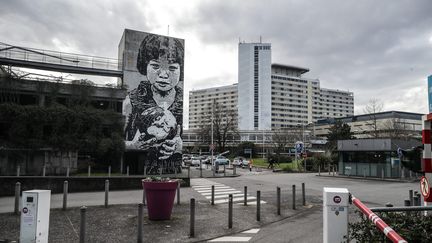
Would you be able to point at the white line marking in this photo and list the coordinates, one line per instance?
(237, 199)
(251, 231)
(253, 203)
(225, 195)
(231, 239)
(220, 190)
(219, 193)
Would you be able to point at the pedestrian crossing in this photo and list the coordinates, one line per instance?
(244, 236)
(221, 192)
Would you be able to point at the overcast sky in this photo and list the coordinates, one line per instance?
(377, 49)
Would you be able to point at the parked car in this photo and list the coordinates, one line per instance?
(186, 159)
(195, 161)
(207, 159)
(241, 161)
(221, 160)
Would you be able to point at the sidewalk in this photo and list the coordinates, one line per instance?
(118, 223)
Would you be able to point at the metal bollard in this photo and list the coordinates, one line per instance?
(144, 197)
(106, 192)
(18, 170)
(224, 171)
(230, 211)
(89, 171)
(258, 212)
(303, 194)
(140, 223)
(17, 197)
(109, 171)
(212, 195)
(417, 200)
(178, 193)
(67, 171)
(65, 194)
(200, 168)
(43, 170)
(411, 197)
(407, 203)
(127, 170)
(293, 197)
(82, 224)
(192, 218)
(278, 200)
(245, 196)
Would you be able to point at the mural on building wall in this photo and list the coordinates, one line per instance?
(154, 107)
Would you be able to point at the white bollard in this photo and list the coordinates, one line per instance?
(335, 214)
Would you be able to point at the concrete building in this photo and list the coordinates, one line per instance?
(388, 124)
(278, 96)
(373, 157)
(254, 86)
(201, 103)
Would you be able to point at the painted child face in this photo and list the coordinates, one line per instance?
(163, 75)
(162, 125)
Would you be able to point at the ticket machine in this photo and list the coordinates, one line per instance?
(35, 212)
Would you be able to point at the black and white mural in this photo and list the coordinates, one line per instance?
(153, 72)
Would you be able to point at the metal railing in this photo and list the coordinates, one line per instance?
(59, 58)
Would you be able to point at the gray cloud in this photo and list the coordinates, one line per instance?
(374, 48)
(378, 49)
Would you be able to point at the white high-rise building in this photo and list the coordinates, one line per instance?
(254, 86)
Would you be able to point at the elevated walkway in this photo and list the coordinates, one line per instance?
(59, 61)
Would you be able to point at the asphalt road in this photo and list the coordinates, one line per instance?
(304, 227)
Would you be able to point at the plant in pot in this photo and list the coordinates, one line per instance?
(160, 194)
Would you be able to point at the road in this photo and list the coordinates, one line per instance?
(306, 227)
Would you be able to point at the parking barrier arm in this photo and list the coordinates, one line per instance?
(378, 222)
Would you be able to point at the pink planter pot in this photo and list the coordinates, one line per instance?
(160, 198)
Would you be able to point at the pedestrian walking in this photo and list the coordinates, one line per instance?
(250, 164)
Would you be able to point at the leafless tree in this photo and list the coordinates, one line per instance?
(372, 108)
(282, 138)
(224, 126)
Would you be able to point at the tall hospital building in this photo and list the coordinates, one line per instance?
(270, 96)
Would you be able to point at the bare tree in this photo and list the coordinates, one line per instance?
(372, 108)
(395, 128)
(282, 138)
(224, 126)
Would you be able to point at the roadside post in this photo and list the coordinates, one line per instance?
(140, 223)
(192, 218)
(335, 214)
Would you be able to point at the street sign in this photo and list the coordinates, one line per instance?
(299, 147)
(399, 152)
(424, 187)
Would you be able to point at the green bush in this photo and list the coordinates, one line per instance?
(413, 227)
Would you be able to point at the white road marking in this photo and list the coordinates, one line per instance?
(231, 239)
(251, 231)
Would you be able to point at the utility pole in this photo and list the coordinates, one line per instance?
(263, 143)
(212, 145)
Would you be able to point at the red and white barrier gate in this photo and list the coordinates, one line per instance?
(378, 222)
(335, 216)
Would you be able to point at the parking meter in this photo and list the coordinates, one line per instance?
(335, 214)
(35, 211)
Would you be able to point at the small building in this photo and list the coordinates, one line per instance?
(373, 157)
